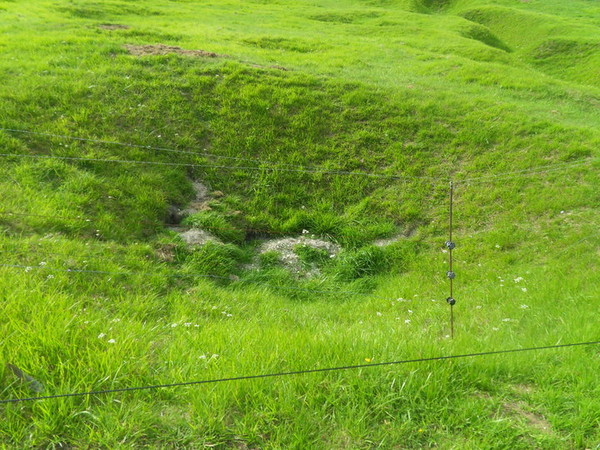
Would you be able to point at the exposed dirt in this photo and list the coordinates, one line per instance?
(113, 26)
(161, 49)
(286, 247)
(196, 237)
(533, 420)
(399, 237)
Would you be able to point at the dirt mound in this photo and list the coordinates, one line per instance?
(288, 257)
(113, 26)
(161, 49)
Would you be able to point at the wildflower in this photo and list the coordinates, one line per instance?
(478, 307)
(368, 360)
(101, 335)
(524, 289)
(196, 326)
(116, 320)
(518, 279)
(495, 328)
(43, 263)
(497, 246)
(28, 269)
(50, 277)
(507, 320)
(410, 311)
(229, 315)
(187, 324)
(524, 306)
(305, 231)
(111, 341)
(173, 325)
(202, 357)
(407, 321)
(379, 314)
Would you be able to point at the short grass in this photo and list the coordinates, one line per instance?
(98, 293)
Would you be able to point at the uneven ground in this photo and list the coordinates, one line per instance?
(256, 123)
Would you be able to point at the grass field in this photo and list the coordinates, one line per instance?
(343, 121)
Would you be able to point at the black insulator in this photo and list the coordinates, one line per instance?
(451, 245)
(451, 275)
(451, 301)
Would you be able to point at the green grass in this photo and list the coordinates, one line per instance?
(427, 91)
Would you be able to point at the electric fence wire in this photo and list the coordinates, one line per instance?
(265, 164)
(283, 167)
(140, 146)
(175, 227)
(209, 276)
(548, 168)
(212, 166)
(294, 372)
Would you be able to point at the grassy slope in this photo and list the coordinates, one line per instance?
(462, 89)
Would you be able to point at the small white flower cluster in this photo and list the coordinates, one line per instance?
(110, 341)
(208, 357)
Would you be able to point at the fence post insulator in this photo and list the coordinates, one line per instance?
(451, 275)
(450, 245)
(451, 301)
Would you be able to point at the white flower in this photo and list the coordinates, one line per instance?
(524, 289)
(111, 341)
(495, 329)
(478, 307)
(229, 315)
(524, 307)
(407, 321)
(173, 325)
(101, 335)
(506, 320)
(379, 314)
(196, 326)
(410, 311)
(43, 263)
(50, 277)
(305, 231)
(28, 269)
(518, 279)
(187, 324)
(202, 356)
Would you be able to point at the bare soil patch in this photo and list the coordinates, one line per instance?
(161, 49)
(113, 26)
(533, 420)
(288, 257)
